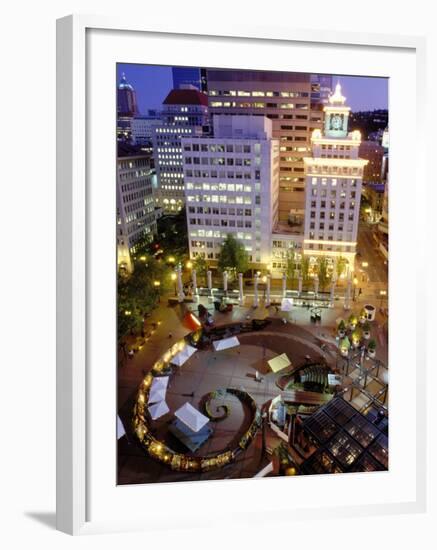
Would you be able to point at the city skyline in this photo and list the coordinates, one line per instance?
(152, 83)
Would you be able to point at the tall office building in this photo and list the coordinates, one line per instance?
(127, 108)
(231, 187)
(184, 113)
(333, 186)
(142, 128)
(183, 76)
(321, 88)
(284, 98)
(374, 153)
(135, 204)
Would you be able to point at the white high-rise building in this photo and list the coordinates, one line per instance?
(333, 186)
(184, 113)
(135, 204)
(232, 186)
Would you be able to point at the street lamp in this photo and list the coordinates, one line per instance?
(355, 288)
(189, 264)
(173, 278)
(157, 284)
(382, 293)
(264, 280)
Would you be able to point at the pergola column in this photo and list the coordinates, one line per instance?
(209, 280)
(268, 291)
(240, 288)
(255, 296)
(181, 295)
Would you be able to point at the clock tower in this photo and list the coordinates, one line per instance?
(336, 115)
(334, 175)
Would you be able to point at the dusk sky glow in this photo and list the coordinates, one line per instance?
(152, 84)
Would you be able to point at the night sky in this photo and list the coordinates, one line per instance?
(152, 84)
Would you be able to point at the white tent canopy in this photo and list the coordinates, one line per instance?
(279, 362)
(191, 417)
(156, 395)
(287, 304)
(120, 428)
(160, 382)
(226, 343)
(180, 358)
(158, 409)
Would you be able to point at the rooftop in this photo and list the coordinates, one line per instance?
(284, 228)
(186, 97)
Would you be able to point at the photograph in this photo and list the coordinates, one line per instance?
(252, 238)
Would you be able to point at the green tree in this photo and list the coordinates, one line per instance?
(305, 269)
(290, 270)
(341, 266)
(322, 271)
(233, 257)
(201, 267)
(137, 294)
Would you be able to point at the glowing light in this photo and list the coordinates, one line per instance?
(156, 283)
(189, 265)
(173, 276)
(337, 96)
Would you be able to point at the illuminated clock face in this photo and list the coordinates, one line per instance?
(336, 122)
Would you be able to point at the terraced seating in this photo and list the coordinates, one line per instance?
(315, 374)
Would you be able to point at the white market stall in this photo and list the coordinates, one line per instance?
(191, 417)
(183, 356)
(287, 304)
(158, 409)
(279, 362)
(156, 395)
(160, 382)
(120, 428)
(226, 343)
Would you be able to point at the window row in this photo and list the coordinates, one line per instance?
(331, 227)
(332, 216)
(223, 211)
(220, 199)
(257, 93)
(235, 187)
(228, 175)
(220, 148)
(221, 161)
(223, 223)
(333, 193)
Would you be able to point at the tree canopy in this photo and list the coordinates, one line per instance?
(233, 256)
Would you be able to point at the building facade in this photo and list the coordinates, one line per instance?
(286, 99)
(232, 187)
(184, 113)
(142, 128)
(334, 176)
(135, 204)
(374, 153)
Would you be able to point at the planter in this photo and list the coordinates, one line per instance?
(371, 353)
(366, 335)
(342, 333)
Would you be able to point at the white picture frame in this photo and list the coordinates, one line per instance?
(74, 358)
